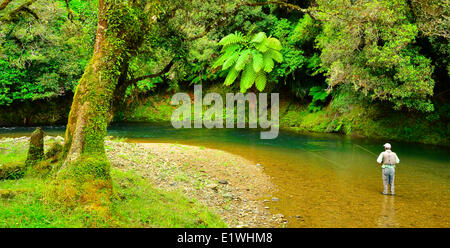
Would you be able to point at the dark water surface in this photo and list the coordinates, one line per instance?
(323, 180)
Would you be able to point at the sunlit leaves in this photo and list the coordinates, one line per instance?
(253, 56)
(260, 81)
(258, 61)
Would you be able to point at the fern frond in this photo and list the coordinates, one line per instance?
(268, 62)
(232, 75)
(261, 46)
(230, 48)
(248, 77)
(258, 61)
(275, 55)
(259, 37)
(224, 57)
(260, 81)
(230, 61)
(237, 37)
(220, 61)
(273, 43)
(242, 60)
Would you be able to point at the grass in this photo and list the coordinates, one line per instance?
(136, 203)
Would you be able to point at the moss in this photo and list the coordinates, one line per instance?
(36, 148)
(40, 169)
(13, 170)
(54, 152)
(85, 183)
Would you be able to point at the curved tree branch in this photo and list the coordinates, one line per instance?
(69, 11)
(162, 72)
(4, 4)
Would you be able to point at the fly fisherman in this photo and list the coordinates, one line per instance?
(388, 160)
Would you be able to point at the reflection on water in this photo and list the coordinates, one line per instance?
(387, 213)
(324, 180)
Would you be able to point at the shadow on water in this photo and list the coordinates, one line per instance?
(323, 180)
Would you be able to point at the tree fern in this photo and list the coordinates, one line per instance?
(254, 57)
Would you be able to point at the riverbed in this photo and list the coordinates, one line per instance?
(323, 180)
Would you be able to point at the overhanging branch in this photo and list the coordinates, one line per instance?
(162, 72)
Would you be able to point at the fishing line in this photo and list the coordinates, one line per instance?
(365, 149)
(322, 157)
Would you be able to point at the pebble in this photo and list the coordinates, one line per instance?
(213, 186)
(228, 195)
(223, 181)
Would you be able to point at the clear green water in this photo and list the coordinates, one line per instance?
(323, 180)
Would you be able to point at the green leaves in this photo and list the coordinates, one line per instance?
(259, 37)
(260, 81)
(232, 75)
(268, 63)
(258, 61)
(254, 57)
(248, 78)
(243, 58)
(319, 97)
(235, 38)
(384, 62)
(273, 43)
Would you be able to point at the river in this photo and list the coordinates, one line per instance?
(323, 180)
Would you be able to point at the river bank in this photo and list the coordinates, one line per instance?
(222, 184)
(341, 115)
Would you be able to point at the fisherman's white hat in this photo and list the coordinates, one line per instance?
(387, 146)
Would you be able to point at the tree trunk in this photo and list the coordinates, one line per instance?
(84, 177)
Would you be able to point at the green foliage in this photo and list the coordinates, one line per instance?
(371, 46)
(319, 96)
(44, 58)
(254, 56)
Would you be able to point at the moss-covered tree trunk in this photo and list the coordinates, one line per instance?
(84, 178)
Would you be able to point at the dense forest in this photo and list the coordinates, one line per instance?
(333, 55)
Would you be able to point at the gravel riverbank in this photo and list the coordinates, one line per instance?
(233, 187)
